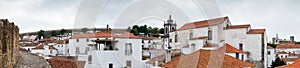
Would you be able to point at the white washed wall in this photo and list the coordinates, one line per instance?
(271, 57)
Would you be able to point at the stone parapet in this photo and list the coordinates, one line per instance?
(9, 37)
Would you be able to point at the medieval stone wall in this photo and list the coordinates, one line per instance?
(9, 35)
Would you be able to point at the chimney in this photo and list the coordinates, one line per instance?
(292, 38)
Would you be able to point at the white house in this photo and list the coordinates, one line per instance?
(271, 55)
(105, 49)
(62, 47)
(45, 51)
(289, 48)
(28, 46)
(212, 34)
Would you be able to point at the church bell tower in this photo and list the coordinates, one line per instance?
(169, 26)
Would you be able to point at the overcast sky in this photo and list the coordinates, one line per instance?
(277, 16)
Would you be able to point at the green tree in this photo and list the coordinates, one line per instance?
(278, 62)
(41, 33)
(143, 29)
(84, 30)
(161, 30)
(154, 31)
(135, 31)
(62, 31)
(54, 33)
(135, 27)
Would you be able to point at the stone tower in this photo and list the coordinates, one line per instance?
(9, 35)
(168, 27)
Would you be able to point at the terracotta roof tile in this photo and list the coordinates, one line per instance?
(186, 46)
(148, 38)
(127, 35)
(204, 23)
(65, 62)
(61, 42)
(92, 35)
(287, 43)
(103, 35)
(287, 46)
(200, 37)
(289, 59)
(232, 49)
(256, 31)
(238, 26)
(282, 52)
(293, 54)
(162, 58)
(207, 59)
(42, 47)
(296, 64)
(210, 45)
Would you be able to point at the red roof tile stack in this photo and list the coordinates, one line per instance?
(296, 64)
(205, 23)
(238, 26)
(207, 59)
(231, 49)
(65, 62)
(256, 31)
(200, 37)
(42, 47)
(103, 35)
(287, 46)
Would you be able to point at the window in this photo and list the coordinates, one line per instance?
(176, 38)
(77, 40)
(209, 33)
(77, 50)
(128, 49)
(269, 52)
(243, 57)
(170, 40)
(191, 35)
(110, 65)
(237, 55)
(193, 47)
(90, 59)
(128, 64)
(87, 40)
(241, 46)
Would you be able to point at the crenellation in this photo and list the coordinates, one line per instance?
(9, 34)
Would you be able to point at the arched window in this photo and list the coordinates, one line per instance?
(209, 33)
(191, 35)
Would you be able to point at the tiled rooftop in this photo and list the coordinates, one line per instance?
(207, 59)
(296, 64)
(238, 26)
(205, 23)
